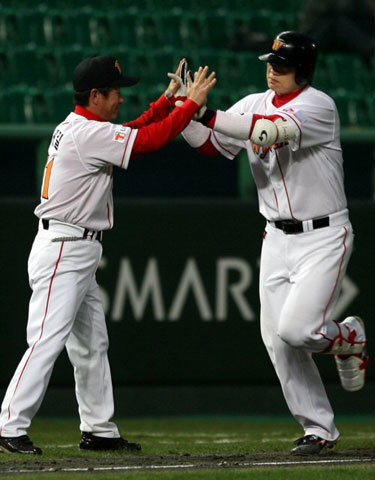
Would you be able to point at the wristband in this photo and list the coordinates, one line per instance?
(206, 117)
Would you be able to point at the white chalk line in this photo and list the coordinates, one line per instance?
(188, 466)
(222, 439)
(310, 462)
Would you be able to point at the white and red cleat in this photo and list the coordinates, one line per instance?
(352, 367)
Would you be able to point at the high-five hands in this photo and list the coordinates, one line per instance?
(177, 88)
(199, 89)
(182, 86)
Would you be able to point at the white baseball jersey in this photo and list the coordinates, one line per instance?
(300, 273)
(305, 179)
(78, 178)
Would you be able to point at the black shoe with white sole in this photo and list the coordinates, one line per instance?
(311, 445)
(21, 444)
(93, 442)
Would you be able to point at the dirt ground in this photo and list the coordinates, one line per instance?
(183, 462)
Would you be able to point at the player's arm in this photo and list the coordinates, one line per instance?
(161, 108)
(263, 130)
(156, 112)
(156, 135)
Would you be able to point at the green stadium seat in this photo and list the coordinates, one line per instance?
(216, 23)
(135, 104)
(347, 71)
(193, 31)
(170, 28)
(57, 29)
(80, 26)
(355, 110)
(12, 105)
(70, 57)
(7, 69)
(13, 27)
(59, 102)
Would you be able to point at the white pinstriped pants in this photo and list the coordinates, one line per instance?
(65, 310)
(300, 280)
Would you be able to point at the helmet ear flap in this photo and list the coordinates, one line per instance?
(302, 81)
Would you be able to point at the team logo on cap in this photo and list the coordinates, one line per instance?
(277, 44)
(118, 66)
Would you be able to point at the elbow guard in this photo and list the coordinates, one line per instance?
(266, 132)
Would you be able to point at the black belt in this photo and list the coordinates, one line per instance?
(291, 227)
(90, 234)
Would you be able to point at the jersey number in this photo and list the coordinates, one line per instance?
(47, 177)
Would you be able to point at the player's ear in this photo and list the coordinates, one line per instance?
(94, 96)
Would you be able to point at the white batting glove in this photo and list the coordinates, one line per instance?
(179, 97)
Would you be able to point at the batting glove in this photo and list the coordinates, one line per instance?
(178, 98)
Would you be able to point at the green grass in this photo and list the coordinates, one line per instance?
(201, 435)
(294, 473)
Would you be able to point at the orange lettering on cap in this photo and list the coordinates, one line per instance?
(117, 65)
(277, 44)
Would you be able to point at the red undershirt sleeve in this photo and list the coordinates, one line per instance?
(156, 135)
(158, 111)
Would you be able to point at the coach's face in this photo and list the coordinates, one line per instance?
(281, 79)
(108, 107)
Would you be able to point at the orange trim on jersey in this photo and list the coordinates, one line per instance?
(47, 178)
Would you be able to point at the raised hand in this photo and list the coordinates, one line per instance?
(178, 86)
(199, 89)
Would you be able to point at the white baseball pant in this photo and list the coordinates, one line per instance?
(65, 310)
(300, 280)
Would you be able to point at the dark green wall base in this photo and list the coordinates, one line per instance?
(206, 400)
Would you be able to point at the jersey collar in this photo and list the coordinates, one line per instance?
(280, 100)
(79, 110)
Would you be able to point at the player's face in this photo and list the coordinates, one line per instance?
(281, 79)
(108, 107)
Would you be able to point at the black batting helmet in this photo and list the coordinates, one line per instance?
(294, 49)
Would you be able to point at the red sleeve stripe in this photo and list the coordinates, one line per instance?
(208, 149)
(220, 145)
(125, 149)
(131, 139)
(333, 293)
(284, 182)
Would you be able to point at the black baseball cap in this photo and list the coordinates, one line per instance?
(100, 72)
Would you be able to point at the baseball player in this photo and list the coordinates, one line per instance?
(76, 207)
(291, 135)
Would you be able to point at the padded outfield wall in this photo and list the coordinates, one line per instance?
(180, 287)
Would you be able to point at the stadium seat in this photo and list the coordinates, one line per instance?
(136, 103)
(59, 102)
(7, 69)
(347, 71)
(13, 106)
(355, 110)
(69, 58)
(216, 23)
(193, 31)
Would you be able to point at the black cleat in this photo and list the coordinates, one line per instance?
(311, 445)
(93, 442)
(21, 444)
